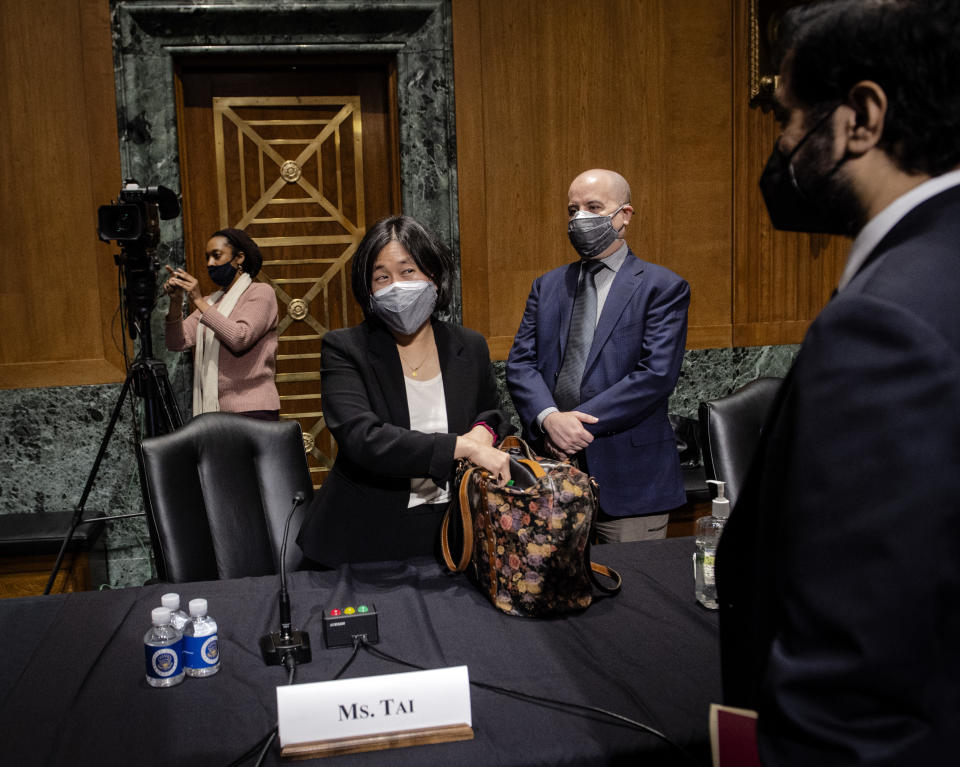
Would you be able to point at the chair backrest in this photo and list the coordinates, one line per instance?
(730, 431)
(218, 492)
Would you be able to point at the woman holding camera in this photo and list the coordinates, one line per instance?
(404, 395)
(233, 332)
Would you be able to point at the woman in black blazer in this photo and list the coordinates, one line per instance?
(404, 395)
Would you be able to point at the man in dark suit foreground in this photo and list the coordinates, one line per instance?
(839, 570)
(596, 358)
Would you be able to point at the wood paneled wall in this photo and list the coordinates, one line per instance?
(658, 91)
(59, 160)
(652, 88)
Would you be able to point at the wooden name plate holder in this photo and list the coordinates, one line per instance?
(387, 740)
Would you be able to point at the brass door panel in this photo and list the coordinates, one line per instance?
(291, 170)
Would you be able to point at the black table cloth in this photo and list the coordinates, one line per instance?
(72, 687)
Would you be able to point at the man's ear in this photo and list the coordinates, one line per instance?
(867, 103)
(628, 212)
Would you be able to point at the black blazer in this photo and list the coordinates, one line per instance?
(358, 513)
(838, 572)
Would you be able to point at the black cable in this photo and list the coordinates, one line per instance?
(253, 749)
(357, 644)
(541, 699)
(262, 746)
(266, 747)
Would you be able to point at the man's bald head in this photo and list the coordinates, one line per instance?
(608, 182)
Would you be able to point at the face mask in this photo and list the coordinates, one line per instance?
(592, 233)
(405, 305)
(822, 208)
(223, 274)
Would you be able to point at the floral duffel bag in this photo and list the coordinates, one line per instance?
(526, 545)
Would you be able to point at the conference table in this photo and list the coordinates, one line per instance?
(72, 686)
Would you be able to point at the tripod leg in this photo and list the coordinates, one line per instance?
(158, 399)
(78, 512)
(169, 402)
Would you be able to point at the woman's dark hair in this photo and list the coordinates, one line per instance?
(241, 241)
(910, 48)
(431, 256)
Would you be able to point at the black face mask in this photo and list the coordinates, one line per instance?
(821, 209)
(222, 274)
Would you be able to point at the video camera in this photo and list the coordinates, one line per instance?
(133, 222)
(135, 216)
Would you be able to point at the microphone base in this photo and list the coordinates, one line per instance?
(274, 648)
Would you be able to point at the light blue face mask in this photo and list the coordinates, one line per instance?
(404, 306)
(592, 233)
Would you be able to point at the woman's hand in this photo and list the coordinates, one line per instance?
(170, 287)
(480, 434)
(495, 461)
(182, 282)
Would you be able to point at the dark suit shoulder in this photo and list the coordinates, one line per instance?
(917, 267)
(659, 273)
(656, 272)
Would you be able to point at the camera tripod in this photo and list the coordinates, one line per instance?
(150, 382)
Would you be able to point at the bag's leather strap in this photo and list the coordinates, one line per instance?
(609, 572)
(513, 442)
(466, 521)
(598, 569)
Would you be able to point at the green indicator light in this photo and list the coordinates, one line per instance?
(363, 609)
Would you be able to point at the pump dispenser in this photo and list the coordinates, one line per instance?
(708, 530)
(721, 504)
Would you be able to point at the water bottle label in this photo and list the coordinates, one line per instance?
(163, 662)
(201, 652)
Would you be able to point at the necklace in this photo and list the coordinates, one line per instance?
(414, 369)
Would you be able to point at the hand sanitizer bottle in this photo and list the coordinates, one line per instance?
(708, 530)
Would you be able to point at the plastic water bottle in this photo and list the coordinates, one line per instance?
(708, 530)
(178, 618)
(162, 645)
(201, 647)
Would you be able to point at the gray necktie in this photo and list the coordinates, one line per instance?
(583, 322)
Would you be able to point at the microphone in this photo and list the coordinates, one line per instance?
(286, 645)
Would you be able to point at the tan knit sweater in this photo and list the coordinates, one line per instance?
(248, 348)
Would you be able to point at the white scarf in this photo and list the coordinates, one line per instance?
(206, 355)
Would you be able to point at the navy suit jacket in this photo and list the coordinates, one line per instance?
(359, 514)
(839, 569)
(629, 375)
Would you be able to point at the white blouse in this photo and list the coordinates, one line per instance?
(428, 414)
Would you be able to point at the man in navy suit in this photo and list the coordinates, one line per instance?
(838, 572)
(596, 358)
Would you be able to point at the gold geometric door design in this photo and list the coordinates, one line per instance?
(290, 173)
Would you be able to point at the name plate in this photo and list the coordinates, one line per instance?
(355, 714)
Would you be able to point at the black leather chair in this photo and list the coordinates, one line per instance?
(730, 430)
(218, 492)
